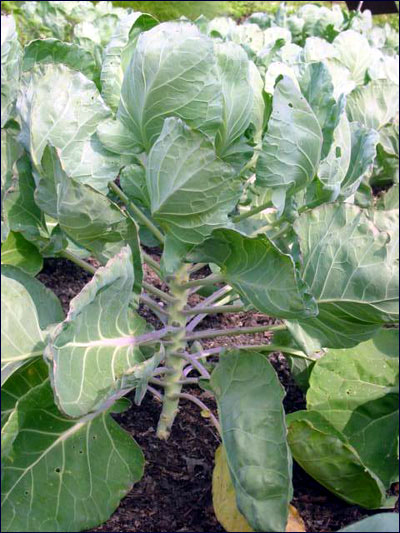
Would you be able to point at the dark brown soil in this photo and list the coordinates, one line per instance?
(174, 494)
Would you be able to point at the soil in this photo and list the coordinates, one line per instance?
(174, 494)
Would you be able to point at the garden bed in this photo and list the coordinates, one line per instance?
(178, 472)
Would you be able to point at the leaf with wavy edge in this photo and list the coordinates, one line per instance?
(326, 455)
(292, 146)
(254, 437)
(262, 274)
(44, 51)
(62, 107)
(374, 105)
(348, 267)
(191, 189)
(357, 391)
(62, 474)
(98, 341)
(172, 73)
(17, 251)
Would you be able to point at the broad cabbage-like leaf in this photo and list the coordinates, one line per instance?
(254, 437)
(173, 72)
(348, 267)
(262, 274)
(63, 107)
(325, 454)
(292, 146)
(191, 189)
(375, 104)
(28, 309)
(356, 390)
(354, 52)
(90, 351)
(17, 251)
(44, 51)
(80, 460)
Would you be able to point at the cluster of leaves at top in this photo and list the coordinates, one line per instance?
(251, 148)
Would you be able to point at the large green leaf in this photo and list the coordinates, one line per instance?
(11, 56)
(62, 107)
(292, 145)
(349, 269)
(48, 306)
(62, 474)
(85, 215)
(17, 251)
(357, 391)
(32, 373)
(191, 190)
(374, 105)
(118, 54)
(264, 276)
(325, 454)
(378, 523)
(90, 351)
(172, 73)
(43, 51)
(354, 52)
(254, 437)
(21, 335)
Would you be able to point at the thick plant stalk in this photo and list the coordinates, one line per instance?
(176, 345)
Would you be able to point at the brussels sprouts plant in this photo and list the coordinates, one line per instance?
(251, 155)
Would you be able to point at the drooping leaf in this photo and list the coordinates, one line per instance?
(378, 523)
(334, 167)
(62, 474)
(191, 189)
(48, 306)
(90, 351)
(224, 500)
(263, 275)
(348, 267)
(62, 107)
(93, 221)
(325, 454)
(356, 390)
(44, 51)
(234, 73)
(118, 54)
(254, 437)
(11, 150)
(374, 104)
(133, 182)
(17, 251)
(363, 151)
(11, 55)
(21, 335)
(292, 145)
(31, 374)
(172, 73)
(316, 85)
